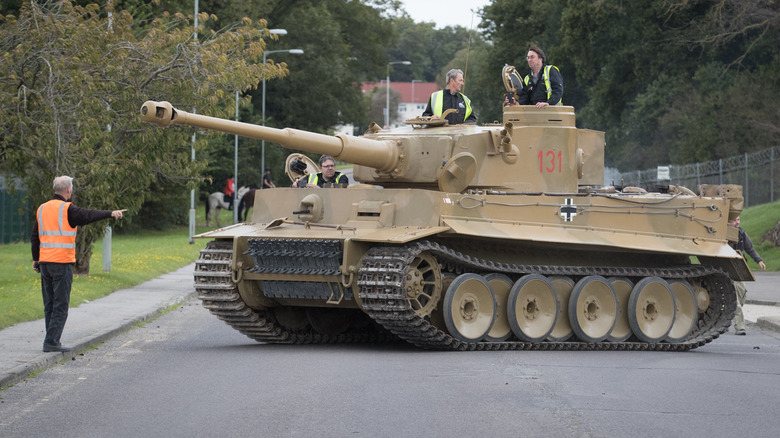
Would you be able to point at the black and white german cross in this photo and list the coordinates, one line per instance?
(568, 210)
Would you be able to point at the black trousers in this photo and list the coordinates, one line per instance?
(56, 281)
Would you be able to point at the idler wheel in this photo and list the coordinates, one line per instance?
(651, 309)
(562, 330)
(532, 308)
(622, 287)
(592, 308)
(423, 284)
(501, 285)
(469, 308)
(686, 311)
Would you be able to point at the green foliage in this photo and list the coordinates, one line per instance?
(70, 89)
(378, 101)
(166, 206)
(667, 80)
(757, 221)
(428, 49)
(340, 41)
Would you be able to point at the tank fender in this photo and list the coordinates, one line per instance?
(400, 234)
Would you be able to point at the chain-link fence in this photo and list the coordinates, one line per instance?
(15, 212)
(756, 172)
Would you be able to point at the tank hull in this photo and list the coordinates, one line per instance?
(364, 264)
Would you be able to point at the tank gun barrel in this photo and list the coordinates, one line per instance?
(379, 154)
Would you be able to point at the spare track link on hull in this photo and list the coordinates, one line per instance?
(381, 281)
(220, 296)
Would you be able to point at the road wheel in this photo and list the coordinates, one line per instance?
(651, 309)
(469, 308)
(562, 330)
(328, 321)
(592, 308)
(532, 308)
(622, 287)
(501, 285)
(291, 318)
(436, 318)
(686, 311)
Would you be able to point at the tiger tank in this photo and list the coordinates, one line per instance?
(495, 237)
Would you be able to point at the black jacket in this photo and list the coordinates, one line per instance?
(537, 92)
(452, 101)
(746, 246)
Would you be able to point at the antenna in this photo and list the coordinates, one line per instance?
(468, 50)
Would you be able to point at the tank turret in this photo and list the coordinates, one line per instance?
(534, 150)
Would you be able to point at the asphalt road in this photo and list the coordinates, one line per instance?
(188, 374)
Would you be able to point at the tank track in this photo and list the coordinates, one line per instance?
(218, 293)
(382, 273)
(381, 278)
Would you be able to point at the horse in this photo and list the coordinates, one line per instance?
(216, 202)
(247, 202)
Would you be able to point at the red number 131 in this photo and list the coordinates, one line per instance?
(547, 161)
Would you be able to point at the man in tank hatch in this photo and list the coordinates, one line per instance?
(327, 177)
(451, 97)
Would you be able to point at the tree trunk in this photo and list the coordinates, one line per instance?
(83, 253)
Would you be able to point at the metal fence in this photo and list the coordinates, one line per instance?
(756, 172)
(15, 212)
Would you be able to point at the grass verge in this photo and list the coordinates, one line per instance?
(135, 258)
(757, 221)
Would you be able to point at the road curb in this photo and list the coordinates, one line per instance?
(769, 322)
(46, 360)
(762, 303)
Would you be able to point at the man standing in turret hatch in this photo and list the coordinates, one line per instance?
(544, 86)
(451, 97)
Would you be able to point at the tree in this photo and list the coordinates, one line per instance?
(340, 41)
(378, 101)
(660, 77)
(428, 49)
(71, 84)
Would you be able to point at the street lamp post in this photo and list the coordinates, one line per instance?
(235, 170)
(192, 192)
(387, 84)
(262, 147)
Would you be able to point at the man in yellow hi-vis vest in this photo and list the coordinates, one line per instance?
(451, 97)
(328, 176)
(53, 242)
(544, 86)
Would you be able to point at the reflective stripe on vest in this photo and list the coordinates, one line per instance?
(546, 77)
(57, 237)
(437, 98)
(313, 178)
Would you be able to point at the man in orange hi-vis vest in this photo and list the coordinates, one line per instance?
(54, 253)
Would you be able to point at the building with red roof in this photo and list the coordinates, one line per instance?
(414, 96)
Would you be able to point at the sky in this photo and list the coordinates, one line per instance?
(445, 12)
